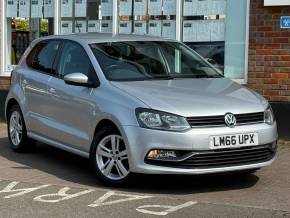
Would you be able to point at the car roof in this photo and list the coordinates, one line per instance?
(90, 38)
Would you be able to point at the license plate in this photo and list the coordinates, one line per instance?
(233, 141)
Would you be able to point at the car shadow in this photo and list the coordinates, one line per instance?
(75, 169)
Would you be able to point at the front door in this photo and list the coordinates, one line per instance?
(71, 108)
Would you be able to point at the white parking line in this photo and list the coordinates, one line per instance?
(62, 193)
(104, 200)
(22, 191)
(170, 209)
(129, 197)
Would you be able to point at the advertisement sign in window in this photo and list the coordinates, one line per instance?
(66, 27)
(93, 26)
(169, 29)
(36, 8)
(66, 8)
(125, 27)
(24, 8)
(80, 8)
(12, 8)
(155, 27)
(155, 7)
(125, 8)
(48, 8)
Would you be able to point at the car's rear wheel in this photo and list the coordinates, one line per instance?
(17, 133)
(109, 157)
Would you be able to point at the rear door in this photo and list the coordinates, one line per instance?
(34, 83)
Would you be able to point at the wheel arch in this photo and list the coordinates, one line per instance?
(104, 123)
(11, 102)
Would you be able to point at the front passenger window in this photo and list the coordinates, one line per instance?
(74, 60)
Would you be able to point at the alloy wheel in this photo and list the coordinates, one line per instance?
(15, 128)
(112, 157)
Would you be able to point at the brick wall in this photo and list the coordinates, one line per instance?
(269, 52)
(4, 82)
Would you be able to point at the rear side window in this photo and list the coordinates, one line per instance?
(42, 56)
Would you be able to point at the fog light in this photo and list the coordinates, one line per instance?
(161, 154)
(274, 145)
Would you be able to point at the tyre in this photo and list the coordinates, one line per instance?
(17, 133)
(109, 157)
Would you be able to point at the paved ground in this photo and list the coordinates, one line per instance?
(53, 183)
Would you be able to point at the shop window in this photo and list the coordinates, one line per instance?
(81, 16)
(26, 20)
(152, 17)
(216, 29)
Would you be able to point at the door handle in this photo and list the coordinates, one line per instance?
(52, 91)
(24, 83)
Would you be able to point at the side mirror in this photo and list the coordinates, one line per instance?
(78, 79)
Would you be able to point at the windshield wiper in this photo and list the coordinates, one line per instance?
(167, 77)
(198, 76)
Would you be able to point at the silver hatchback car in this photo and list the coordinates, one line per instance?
(137, 104)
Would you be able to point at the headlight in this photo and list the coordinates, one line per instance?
(269, 116)
(153, 119)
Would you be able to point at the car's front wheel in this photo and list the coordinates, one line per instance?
(109, 157)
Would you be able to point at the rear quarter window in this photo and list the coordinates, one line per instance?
(42, 56)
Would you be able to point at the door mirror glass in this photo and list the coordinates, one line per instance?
(77, 79)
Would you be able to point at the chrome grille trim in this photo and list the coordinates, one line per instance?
(218, 121)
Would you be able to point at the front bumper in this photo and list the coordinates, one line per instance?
(140, 141)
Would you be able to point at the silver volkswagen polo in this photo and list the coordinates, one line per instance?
(136, 104)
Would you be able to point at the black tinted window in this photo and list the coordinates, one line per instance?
(42, 56)
(74, 59)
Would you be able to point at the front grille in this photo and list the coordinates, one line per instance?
(242, 119)
(221, 158)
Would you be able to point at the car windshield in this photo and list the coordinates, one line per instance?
(151, 60)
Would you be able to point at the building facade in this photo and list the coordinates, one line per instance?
(242, 38)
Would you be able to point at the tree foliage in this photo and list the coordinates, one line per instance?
(23, 25)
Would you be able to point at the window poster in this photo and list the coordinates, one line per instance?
(155, 27)
(36, 8)
(203, 31)
(12, 8)
(106, 26)
(190, 7)
(217, 30)
(66, 27)
(80, 8)
(169, 7)
(80, 26)
(66, 8)
(219, 6)
(169, 29)
(204, 7)
(139, 7)
(48, 8)
(24, 8)
(189, 31)
(155, 7)
(107, 8)
(125, 27)
(125, 8)
(140, 27)
(93, 26)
